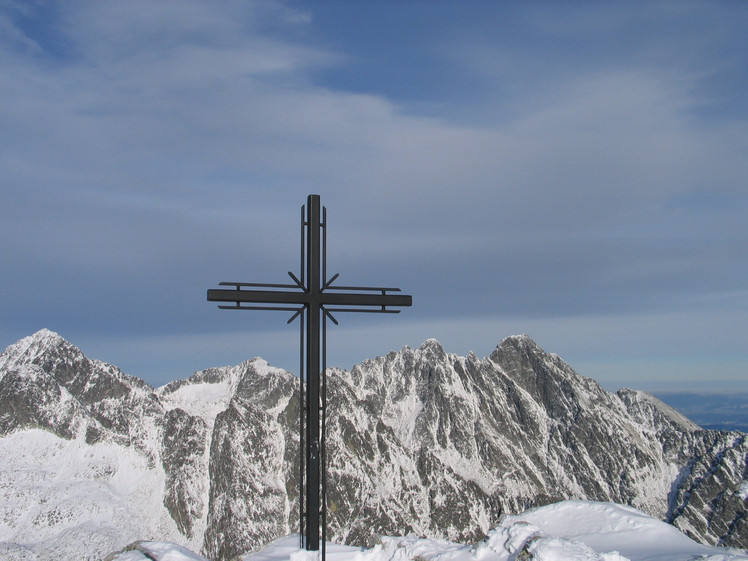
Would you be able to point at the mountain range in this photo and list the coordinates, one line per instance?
(420, 441)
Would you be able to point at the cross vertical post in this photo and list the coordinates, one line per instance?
(311, 295)
(312, 376)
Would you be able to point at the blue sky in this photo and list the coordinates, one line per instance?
(571, 170)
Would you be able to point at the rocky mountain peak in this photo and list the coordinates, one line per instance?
(516, 345)
(431, 349)
(42, 346)
(67, 364)
(431, 345)
(53, 381)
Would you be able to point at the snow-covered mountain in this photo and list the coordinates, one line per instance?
(419, 441)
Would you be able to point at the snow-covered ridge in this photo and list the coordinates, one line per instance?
(419, 440)
(208, 392)
(657, 412)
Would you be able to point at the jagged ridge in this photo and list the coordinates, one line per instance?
(419, 440)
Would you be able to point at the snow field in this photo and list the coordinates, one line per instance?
(76, 499)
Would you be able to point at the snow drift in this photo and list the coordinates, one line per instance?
(565, 531)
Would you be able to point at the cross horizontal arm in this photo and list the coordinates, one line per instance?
(322, 298)
(258, 296)
(353, 299)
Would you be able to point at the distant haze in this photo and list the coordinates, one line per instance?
(728, 411)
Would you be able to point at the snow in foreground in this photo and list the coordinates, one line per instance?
(565, 531)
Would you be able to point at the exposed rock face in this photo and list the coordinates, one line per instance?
(419, 441)
(31, 397)
(443, 445)
(704, 500)
(183, 448)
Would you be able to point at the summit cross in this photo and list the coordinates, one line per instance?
(313, 298)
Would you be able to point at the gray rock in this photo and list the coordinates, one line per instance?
(183, 447)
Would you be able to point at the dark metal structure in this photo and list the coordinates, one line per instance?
(312, 297)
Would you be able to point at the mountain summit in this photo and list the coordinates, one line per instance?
(420, 441)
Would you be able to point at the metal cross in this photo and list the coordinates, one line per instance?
(313, 296)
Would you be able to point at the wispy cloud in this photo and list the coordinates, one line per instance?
(541, 164)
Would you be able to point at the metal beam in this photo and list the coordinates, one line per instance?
(324, 298)
(313, 367)
(258, 296)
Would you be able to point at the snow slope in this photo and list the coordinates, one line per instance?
(66, 499)
(564, 531)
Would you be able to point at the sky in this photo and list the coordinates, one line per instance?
(575, 171)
